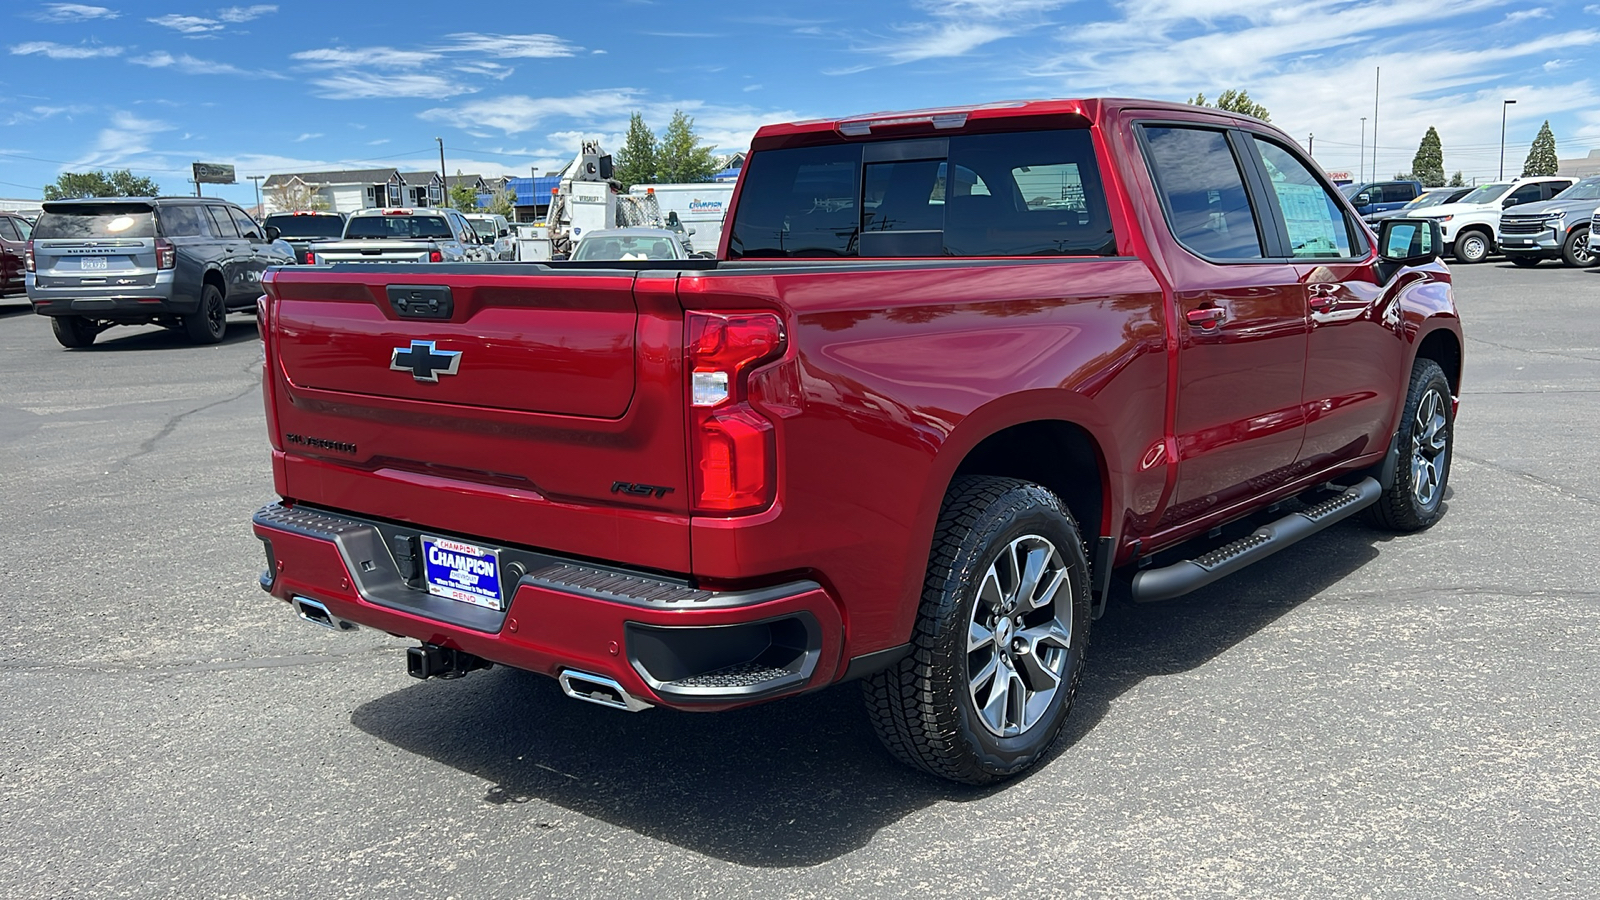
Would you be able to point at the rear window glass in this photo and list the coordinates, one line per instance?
(292, 226)
(1033, 193)
(624, 247)
(400, 227)
(485, 229)
(96, 220)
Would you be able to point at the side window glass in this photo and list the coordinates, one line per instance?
(1407, 192)
(1555, 187)
(247, 226)
(1316, 224)
(9, 231)
(1203, 191)
(181, 221)
(27, 230)
(221, 222)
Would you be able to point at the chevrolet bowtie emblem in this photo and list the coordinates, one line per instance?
(424, 362)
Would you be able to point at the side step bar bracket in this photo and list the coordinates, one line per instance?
(1181, 577)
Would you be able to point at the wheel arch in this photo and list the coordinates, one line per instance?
(1443, 347)
(1058, 454)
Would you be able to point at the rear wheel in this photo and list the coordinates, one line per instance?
(209, 323)
(1526, 262)
(1415, 496)
(74, 331)
(999, 641)
(1575, 252)
(1472, 247)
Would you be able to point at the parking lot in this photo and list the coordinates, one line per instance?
(1359, 716)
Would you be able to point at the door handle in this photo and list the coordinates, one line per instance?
(1322, 295)
(1206, 316)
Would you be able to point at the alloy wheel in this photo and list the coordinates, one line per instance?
(1430, 437)
(1019, 636)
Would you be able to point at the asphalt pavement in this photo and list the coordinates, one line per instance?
(1361, 715)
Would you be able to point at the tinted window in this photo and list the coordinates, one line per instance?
(1555, 187)
(8, 230)
(22, 224)
(399, 227)
(97, 220)
(182, 221)
(1528, 193)
(1203, 191)
(1020, 194)
(1398, 191)
(222, 222)
(800, 202)
(247, 226)
(1315, 223)
(293, 226)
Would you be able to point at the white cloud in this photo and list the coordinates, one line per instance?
(956, 28)
(246, 13)
(366, 85)
(1522, 15)
(190, 25)
(364, 57)
(128, 136)
(510, 46)
(65, 13)
(64, 51)
(307, 136)
(190, 65)
(483, 67)
(517, 114)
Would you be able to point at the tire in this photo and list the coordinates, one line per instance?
(1472, 247)
(1414, 499)
(925, 708)
(1575, 252)
(209, 323)
(1525, 262)
(73, 331)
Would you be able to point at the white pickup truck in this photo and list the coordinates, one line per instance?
(1470, 225)
(402, 235)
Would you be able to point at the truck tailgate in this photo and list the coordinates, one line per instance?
(545, 410)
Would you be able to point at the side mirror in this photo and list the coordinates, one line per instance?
(691, 231)
(1409, 242)
(1361, 200)
(273, 233)
(1509, 202)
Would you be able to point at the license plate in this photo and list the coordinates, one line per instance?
(1518, 241)
(461, 571)
(92, 264)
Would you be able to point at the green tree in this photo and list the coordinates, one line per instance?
(637, 160)
(121, 183)
(682, 158)
(1542, 155)
(1456, 180)
(504, 203)
(1428, 165)
(1234, 100)
(463, 198)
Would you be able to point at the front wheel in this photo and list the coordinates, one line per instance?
(998, 646)
(1472, 247)
(1575, 252)
(1414, 498)
(74, 331)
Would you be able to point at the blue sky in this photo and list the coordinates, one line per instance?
(513, 86)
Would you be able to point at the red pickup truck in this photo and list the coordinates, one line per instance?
(955, 377)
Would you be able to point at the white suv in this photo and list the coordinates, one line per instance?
(1470, 224)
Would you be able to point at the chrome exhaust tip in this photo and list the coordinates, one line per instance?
(599, 689)
(317, 614)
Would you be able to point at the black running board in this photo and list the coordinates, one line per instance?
(1182, 577)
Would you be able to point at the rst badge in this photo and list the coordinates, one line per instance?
(424, 362)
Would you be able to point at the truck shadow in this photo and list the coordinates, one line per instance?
(804, 780)
(122, 339)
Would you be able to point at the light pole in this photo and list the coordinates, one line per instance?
(1503, 105)
(444, 186)
(257, 180)
(1361, 157)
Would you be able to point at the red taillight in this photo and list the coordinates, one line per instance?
(166, 254)
(27, 258)
(435, 256)
(311, 258)
(731, 443)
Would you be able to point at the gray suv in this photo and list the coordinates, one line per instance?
(1557, 228)
(181, 262)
